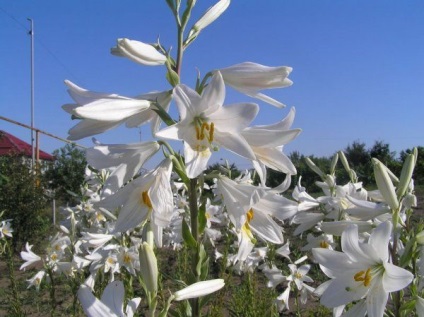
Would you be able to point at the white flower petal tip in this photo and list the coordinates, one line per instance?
(249, 78)
(138, 52)
(199, 289)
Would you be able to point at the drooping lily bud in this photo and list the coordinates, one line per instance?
(138, 52)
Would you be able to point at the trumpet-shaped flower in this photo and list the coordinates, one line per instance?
(138, 52)
(147, 197)
(111, 303)
(125, 160)
(100, 111)
(31, 259)
(362, 270)
(204, 123)
(5, 229)
(267, 143)
(36, 280)
(251, 210)
(249, 78)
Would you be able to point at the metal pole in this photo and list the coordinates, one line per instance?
(31, 33)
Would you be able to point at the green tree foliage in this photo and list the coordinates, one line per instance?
(66, 175)
(309, 177)
(359, 159)
(23, 200)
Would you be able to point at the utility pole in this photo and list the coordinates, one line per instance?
(31, 33)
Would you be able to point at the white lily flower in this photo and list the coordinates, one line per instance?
(147, 197)
(204, 122)
(125, 160)
(31, 259)
(129, 258)
(283, 299)
(322, 241)
(199, 289)
(252, 214)
(111, 303)
(249, 78)
(95, 240)
(100, 111)
(36, 280)
(362, 270)
(6, 229)
(267, 143)
(138, 52)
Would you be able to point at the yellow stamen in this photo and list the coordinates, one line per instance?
(197, 133)
(298, 275)
(127, 258)
(324, 244)
(110, 261)
(201, 128)
(145, 199)
(249, 215)
(212, 130)
(363, 276)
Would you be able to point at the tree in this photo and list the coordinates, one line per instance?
(67, 173)
(359, 159)
(23, 200)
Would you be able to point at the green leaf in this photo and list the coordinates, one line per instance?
(204, 270)
(407, 253)
(202, 218)
(187, 236)
(163, 115)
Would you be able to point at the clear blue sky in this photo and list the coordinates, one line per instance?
(358, 66)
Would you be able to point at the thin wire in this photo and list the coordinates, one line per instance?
(42, 44)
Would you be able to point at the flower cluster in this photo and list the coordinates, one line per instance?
(126, 212)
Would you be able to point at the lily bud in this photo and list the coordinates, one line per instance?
(199, 289)
(315, 168)
(211, 15)
(384, 184)
(149, 267)
(420, 238)
(344, 161)
(138, 52)
(406, 174)
(334, 163)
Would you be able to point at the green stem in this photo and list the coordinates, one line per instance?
(15, 302)
(396, 295)
(53, 302)
(194, 211)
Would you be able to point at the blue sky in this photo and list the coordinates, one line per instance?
(358, 66)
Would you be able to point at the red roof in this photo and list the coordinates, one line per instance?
(10, 145)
